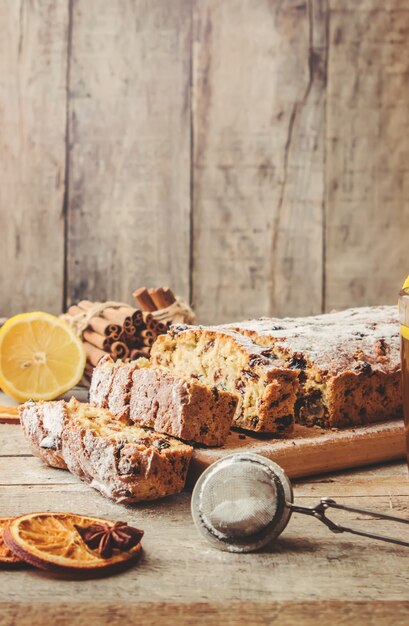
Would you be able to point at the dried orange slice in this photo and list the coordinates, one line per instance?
(41, 357)
(9, 415)
(51, 541)
(7, 557)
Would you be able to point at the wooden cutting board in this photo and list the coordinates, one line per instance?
(313, 450)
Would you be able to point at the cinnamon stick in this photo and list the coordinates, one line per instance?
(119, 315)
(169, 295)
(108, 341)
(137, 354)
(137, 320)
(149, 341)
(88, 371)
(75, 310)
(93, 353)
(130, 331)
(161, 328)
(113, 331)
(137, 316)
(119, 350)
(152, 324)
(162, 297)
(128, 324)
(144, 300)
(148, 337)
(86, 305)
(147, 317)
(94, 338)
(104, 327)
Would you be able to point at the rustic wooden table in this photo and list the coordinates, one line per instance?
(310, 576)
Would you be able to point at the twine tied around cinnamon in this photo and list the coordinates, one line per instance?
(177, 312)
(80, 321)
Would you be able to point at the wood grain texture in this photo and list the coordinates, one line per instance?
(33, 68)
(129, 173)
(297, 261)
(308, 563)
(307, 613)
(367, 167)
(258, 115)
(252, 154)
(308, 574)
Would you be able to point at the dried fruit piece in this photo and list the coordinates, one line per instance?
(7, 557)
(9, 415)
(51, 541)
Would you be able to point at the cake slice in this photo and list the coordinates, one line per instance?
(119, 395)
(42, 424)
(232, 362)
(122, 461)
(102, 380)
(347, 362)
(181, 407)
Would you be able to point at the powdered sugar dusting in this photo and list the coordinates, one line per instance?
(336, 341)
(53, 422)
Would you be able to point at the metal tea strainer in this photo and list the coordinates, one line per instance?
(244, 501)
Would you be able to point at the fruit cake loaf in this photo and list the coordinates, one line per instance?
(122, 461)
(181, 407)
(231, 362)
(347, 362)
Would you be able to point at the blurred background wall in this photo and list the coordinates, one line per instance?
(252, 154)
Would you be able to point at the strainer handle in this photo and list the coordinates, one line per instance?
(320, 509)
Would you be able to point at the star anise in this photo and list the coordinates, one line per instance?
(106, 538)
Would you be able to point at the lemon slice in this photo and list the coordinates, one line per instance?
(41, 357)
(406, 283)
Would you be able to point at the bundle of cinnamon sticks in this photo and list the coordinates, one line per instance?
(123, 331)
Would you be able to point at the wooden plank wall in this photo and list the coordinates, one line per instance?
(251, 153)
(33, 69)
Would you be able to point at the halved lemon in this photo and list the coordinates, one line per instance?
(52, 542)
(41, 357)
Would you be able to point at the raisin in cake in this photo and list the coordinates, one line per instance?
(347, 362)
(232, 362)
(122, 461)
(170, 404)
